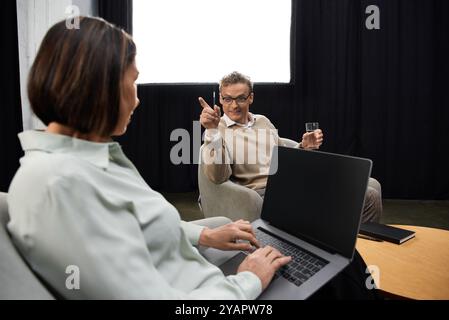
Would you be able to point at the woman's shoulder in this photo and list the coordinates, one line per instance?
(51, 164)
(39, 171)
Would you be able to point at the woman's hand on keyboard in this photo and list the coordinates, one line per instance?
(264, 263)
(238, 235)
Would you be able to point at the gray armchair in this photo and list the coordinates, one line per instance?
(230, 199)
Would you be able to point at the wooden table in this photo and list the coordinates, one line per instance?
(417, 269)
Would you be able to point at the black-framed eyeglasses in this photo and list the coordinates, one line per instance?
(238, 100)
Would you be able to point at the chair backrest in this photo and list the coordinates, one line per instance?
(230, 199)
(17, 281)
(227, 199)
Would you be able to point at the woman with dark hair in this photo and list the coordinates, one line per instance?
(77, 202)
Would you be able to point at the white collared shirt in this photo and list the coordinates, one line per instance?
(229, 122)
(214, 135)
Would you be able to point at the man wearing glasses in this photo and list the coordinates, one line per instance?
(237, 145)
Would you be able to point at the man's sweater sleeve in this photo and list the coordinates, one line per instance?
(215, 157)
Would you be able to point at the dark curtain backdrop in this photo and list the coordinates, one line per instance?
(118, 12)
(380, 94)
(11, 113)
(405, 104)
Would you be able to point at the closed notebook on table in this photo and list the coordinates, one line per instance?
(387, 233)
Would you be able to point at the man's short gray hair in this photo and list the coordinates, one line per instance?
(234, 78)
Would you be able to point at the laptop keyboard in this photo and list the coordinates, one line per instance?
(303, 265)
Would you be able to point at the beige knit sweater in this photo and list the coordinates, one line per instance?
(240, 153)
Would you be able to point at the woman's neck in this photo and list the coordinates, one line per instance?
(58, 128)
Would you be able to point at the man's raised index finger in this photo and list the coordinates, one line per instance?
(203, 103)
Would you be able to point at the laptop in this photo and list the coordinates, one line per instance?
(312, 212)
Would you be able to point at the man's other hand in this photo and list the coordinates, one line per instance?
(313, 140)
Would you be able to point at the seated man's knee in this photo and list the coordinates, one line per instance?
(370, 196)
(373, 183)
(372, 210)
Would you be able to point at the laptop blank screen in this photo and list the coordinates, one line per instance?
(317, 197)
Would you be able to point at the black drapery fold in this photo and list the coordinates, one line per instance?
(118, 12)
(11, 113)
(380, 94)
(328, 72)
(405, 106)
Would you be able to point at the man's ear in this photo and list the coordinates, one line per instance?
(251, 99)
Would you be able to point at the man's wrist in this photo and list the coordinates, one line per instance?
(211, 135)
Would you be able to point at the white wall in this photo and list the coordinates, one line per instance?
(34, 18)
